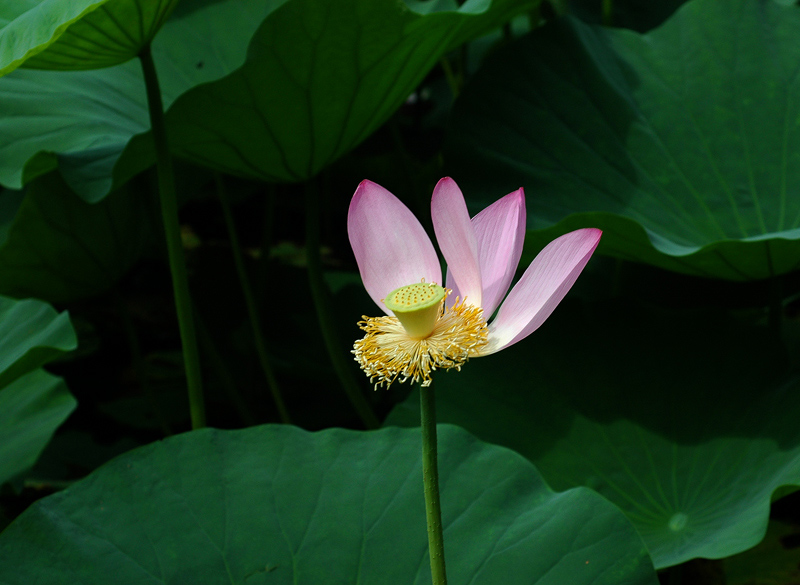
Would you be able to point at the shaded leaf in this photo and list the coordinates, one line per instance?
(680, 144)
(317, 79)
(31, 334)
(59, 248)
(88, 118)
(32, 402)
(31, 409)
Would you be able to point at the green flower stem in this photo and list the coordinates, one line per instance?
(430, 479)
(172, 231)
(320, 293)
(250, 303)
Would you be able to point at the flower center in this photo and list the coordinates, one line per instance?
(417, 307)
(388, 351)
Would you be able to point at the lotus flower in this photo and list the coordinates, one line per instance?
(428, 326)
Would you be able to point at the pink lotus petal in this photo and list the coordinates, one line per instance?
(549, 277)
(390, 245)
(500, 232)
(451, 284)
(456, 238)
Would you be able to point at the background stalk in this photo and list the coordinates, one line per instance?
(138, 363)
(250, 303)
(218, 367)
(775, 315)
(172, 230)
(339, 357)
(430, 479)
(262, 277)
(608, 9)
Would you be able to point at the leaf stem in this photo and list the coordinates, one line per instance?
(320, 295)
(250, 303)
(177, 263)
(430, 480)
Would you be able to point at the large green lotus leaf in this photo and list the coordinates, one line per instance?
(687, 422)
(115, 32)
(27, 27)
(682, 144)
(77, 34)
(317, 79)
(31, 334)
(59, 248)
(31, 409)
(82, 121)
(276, 504)
(87, 117)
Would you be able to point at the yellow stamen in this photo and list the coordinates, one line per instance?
(388, 352)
